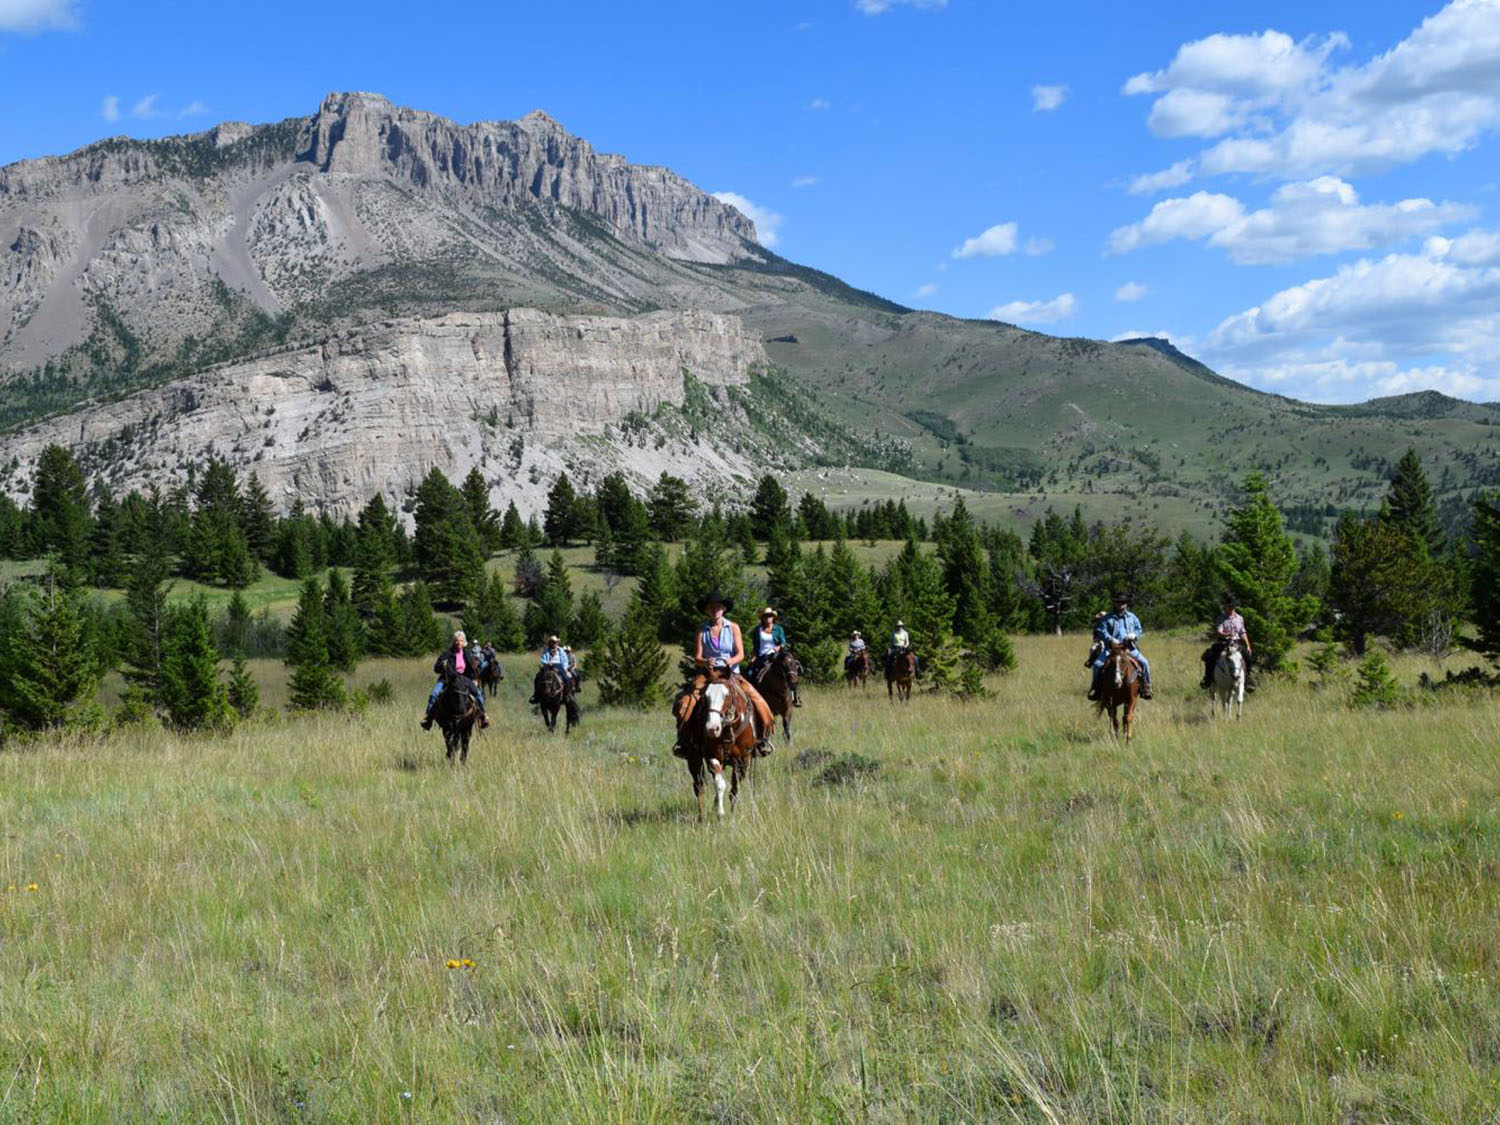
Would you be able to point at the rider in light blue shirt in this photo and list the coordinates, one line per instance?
(1121, 625)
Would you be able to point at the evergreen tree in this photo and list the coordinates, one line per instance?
(315, 685)
(1381, 580)
(242, 692)
(612, 502)
(1409, 506)
(51, 662)
(1258, 562)
(234, 635)
(530, 578)
(258, 520)
(1374, 685)
(346, 642)
(374, 557)
(191, 695)
(421, 631)
(966, 574)
(656, 588)
(1484, 576)
(294, 549)
(482, 517)
(146, 631)
(447, 547)
(814, 519)
(632, 539)
(670, 507)
(492, 617)
(552, 612)
(707, 564)
(589, 622)
(1059, 559)
(630, 661)
(562, 521)
(771, 509)
(604, 547)
(60, 522)
(512, 530)
(848, 595)
(918, 595)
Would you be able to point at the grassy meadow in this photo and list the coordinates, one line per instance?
(941, 912)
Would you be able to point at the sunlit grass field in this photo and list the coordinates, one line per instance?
(1007, 917)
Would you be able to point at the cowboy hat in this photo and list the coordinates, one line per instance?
(769, 612)
(1229, 598)
(855, 633)
(552, 640)
(716, 598)
(900, 624)
(1121, 598)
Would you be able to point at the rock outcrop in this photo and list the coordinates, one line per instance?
(522, 394)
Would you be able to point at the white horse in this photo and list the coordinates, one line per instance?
(1229, 681)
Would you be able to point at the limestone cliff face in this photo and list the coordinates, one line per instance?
(522, 394)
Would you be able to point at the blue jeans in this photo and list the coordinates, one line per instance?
(437, 690)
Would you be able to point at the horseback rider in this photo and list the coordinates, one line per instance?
(572, 665)
(1229, 627)
(461, 662)
(768, 641)
(553, 656)
(720, 647)
(1125, 627)
(900, 642)
(857, 647)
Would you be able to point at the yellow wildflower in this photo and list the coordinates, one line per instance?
(451, 964)
(466, 963)
(31, 886)
(1398, 816)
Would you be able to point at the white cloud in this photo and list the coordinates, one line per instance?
(146, 107)
(767, 222)
(1131, 291)
(194, 108)
(37, 15)
(807, 181)
(1000, 239)
(876, 7)
(1377, 326)
(1321, 216)
(1060, 307)
(1149, 183)
(925, 290)
(820, 103)
(110, 108)
(1045, 98)
(1288, 113)
(1197, 216)
(1035, 247)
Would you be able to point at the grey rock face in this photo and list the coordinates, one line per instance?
(521, 394)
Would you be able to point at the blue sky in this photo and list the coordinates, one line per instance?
(1304, 196)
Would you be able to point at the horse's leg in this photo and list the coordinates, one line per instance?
(719, 784)
(695, 771)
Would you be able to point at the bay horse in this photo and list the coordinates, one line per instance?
(490, 676)
(1229, 681)
(857, 669)
(777, 679)
(719, 731)
(900, 671)
(1119, 685)
(554, 696)
(456, 712)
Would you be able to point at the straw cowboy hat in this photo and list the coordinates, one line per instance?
(769, 612)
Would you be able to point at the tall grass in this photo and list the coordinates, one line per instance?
(1012, 917)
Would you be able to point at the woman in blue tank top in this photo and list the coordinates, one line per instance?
(720, 645)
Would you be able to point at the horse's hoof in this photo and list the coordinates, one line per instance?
(427, 723)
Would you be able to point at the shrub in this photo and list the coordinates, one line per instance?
(1375, 686)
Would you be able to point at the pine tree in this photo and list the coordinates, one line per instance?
(258, 520)
(656, 587)
(1409, 506)
(589, 622)
(966, 574)
(420, 630)
(447, 547)
(630, 661)
(1380, 580)
(1484, 576)
(191, 695)
(632, 538)
(374, 556)
(670, 507)
(1059, 558)
(552, 612)
(1374, 685)
(242, 692)
(486, 524)
(346, 642)
(612, 502)
(234, 634)
(771, 509)
(51, 662)
(1258, 562)
(561, 522)
(146, 630)
(492, 617)
(707, 564)
(314, 685)
(512, 530)
(530, 578)
(60, 522)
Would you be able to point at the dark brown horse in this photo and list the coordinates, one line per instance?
(900, 672)
(1119, 686)
(776, 683)
(553, 696)
(490, 676)
(719, 731)
(857, 668)
(456, 713)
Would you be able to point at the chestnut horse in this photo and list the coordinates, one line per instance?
(900, 671)
(775, 685)
(857, 669)
(553, 696)
(1119, 685)
(719, 730)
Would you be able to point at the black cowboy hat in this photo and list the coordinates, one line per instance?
(709, 599)
(1121, 598)
(1229, 598)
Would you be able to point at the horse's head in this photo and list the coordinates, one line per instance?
(791, 667)
(716, 704)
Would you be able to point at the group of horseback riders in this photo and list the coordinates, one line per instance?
(461, 666)
(1124, 627)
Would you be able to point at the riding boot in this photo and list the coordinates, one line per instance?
(427, 718)
(1094, 687)
(1146, 692)
(796, 697)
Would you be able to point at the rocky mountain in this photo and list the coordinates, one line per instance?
(145, 282)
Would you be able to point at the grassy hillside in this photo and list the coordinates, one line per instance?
(1005, 917)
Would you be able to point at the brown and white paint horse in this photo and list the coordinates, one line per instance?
(719, 732)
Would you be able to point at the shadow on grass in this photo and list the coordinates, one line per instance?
(668, 812)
